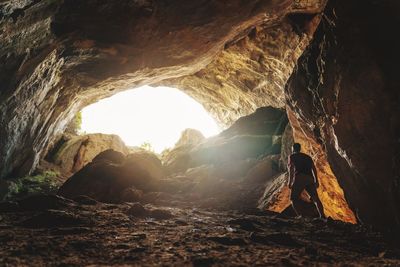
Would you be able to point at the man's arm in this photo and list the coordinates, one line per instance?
(290, 167)
(314, 170)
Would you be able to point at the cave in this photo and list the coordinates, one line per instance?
(322, 73)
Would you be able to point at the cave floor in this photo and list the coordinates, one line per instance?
(66, 233)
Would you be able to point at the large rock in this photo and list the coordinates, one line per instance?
(105, 181)
(223, 150)
(286, 148)
(78, 151)
(251, 136)
(190, 137)
(177, 159)
(262, 171)
(110, 155)
(147, 161)
(344, 100)
(264, 121)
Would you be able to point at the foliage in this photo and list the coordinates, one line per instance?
(29, 185)
(75, 124)
(78, 120)
(147, 146)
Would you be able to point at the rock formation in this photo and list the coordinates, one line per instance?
(343, 102)
(77, 151)
(106, 178)
(342, 98)
(58, 56)
(190, 137)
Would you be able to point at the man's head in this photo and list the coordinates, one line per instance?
(296, 147)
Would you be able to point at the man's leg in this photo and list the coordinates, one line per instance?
(295, 195)
(312, 191)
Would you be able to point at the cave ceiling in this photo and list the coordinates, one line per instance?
(59, 56)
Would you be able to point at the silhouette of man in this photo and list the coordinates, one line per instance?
(303, 176)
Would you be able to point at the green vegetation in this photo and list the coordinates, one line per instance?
(29, 185)
(78, 120)
(147, 146)
(75, 124)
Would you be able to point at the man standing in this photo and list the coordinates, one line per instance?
(303, 176)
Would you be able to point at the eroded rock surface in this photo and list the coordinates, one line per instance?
(58, 56)
(77, 151)
(345, 97)
(107, 181)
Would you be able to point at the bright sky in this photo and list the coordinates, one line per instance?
(155, 115)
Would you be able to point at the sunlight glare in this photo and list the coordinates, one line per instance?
(156, 115)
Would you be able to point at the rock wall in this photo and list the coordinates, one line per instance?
(345, 96)
(58, 56)
(80, 150)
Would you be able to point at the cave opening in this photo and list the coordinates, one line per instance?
(148, 117)
(315, 72)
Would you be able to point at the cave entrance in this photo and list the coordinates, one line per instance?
(148, 117)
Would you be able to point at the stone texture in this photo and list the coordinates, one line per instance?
(58, 56)
(262, 171)
(108, 182)
(287, 143)
(344, 99)
(330, 192)
(119, 235)
(248, 74)
(80, 150)
(190, 137)
(236, 148)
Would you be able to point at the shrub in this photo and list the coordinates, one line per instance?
(45, 183)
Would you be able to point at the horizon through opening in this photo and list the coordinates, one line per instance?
(153, 115)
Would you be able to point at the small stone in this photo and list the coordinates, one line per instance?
(137, 210)
(160, 214)
(131, 195)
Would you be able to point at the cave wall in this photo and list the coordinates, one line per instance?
(58, 56)
(249, 73)
(345, 95)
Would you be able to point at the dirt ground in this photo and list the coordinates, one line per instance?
(52, 231)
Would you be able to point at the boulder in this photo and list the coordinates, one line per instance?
(276, 195)
(78, 151)
(148, 161)
(131, 195)
(106, 181)
(234, 170)
(264, 121)
(252, 136)
(190, 137)
(110, 155)
(262, 171)
(178, 159)
(221, 150)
